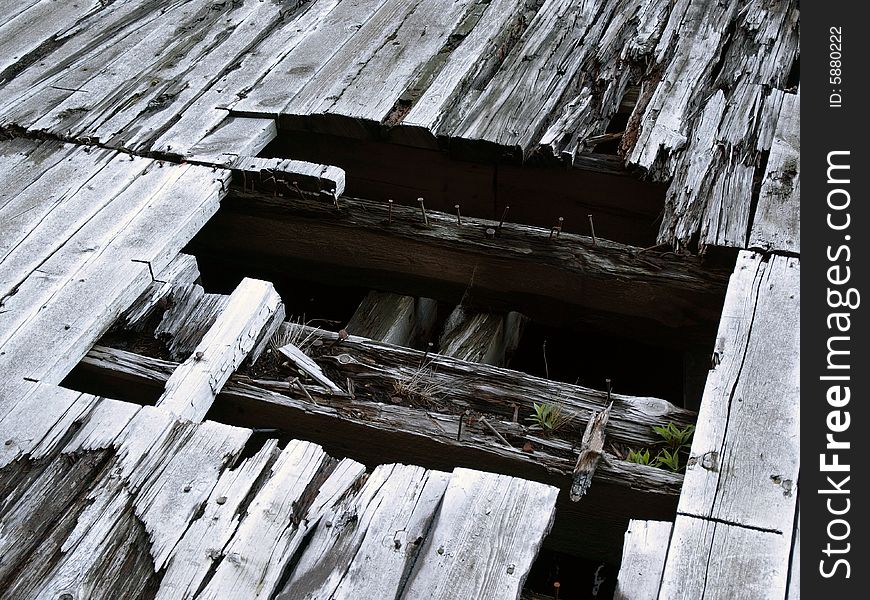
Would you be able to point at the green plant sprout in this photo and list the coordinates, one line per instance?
(548, 417)
(674, 439)
(637, 457)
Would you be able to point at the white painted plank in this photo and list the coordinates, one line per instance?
(745, 458)
(716, 561)
(364, 545)
(191, 390)
(276, 523)
(776, 222)
(643, 560)
(484, 519)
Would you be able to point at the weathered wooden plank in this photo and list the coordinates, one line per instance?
(643, 560)
(192, 388)
(694, 129)
(364, 545)
(277, 521)
(776, 222)
(102, 426)
(591, 451)
(475, 59)
(394, 319)
(37, 24)
(324, 31)
(745, 457)
(717, 561)
(95, 293)
(484, 519)
(202, 544)
(546, 277)
(288, 177)
(182, 271)
(58, 206)
(302, 362)
(481, 336)
(235, 85)
(167, 502)
(232, 138)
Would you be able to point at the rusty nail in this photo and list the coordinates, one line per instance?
(490, 232)
(503, 216)
(458, 216)
(592, 229)
(390, 213)
(607, 381)
(559, 226)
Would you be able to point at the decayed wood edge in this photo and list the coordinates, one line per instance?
(394, 318)
(484, 337)
(487, 518)
(183, 270)
(750, 408)
(720, 561)
(776, 222)
(591, 450)
(369, 541)
(288, 178)
(643, 560)
(192, 387)
(547, 277)
(234, 137)
(304, 363)
(272, 399)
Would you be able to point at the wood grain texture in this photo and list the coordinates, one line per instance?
(192, 388)
(484, 519)
(745, 458)
(394, 319)
(481, 337)
(709, 560)
(776, 222)
(643, 560)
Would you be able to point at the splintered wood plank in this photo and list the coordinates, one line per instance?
(643, 560)
(102, 426)
(251, 308)
(288, 177)
(694, 129)
(202, 544)
(536, 75)
(174, 497)
(486, 535)
(45, 341)
(183, 270)
(476, 58)
(399, 45)
(394, 319)
(322, 32)
(191, 315)
(481, 337)
(745, 458)
(364, 545)
(303, 481)
(716, 561)
(31, 417)
(776, 222)
(233, 138)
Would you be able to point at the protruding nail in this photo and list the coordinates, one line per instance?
(503, 216)
(592, 229)
(607, 381)
(423, 210)
(490, 232)
(390, 214)
(559, 226)
(458, 216)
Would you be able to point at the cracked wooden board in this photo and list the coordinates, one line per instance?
(643, 560)
(745, 459)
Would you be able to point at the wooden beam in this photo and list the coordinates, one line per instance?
(394, 319)
(247, 318)
(643, 559)
(484, 337)
(375, 432)
(560, 280)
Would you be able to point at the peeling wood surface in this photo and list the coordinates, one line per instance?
(194, 384)
(643, 559)
(546, 276)
(776, 223)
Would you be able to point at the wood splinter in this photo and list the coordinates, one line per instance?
(591, 449)
(495, 431)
